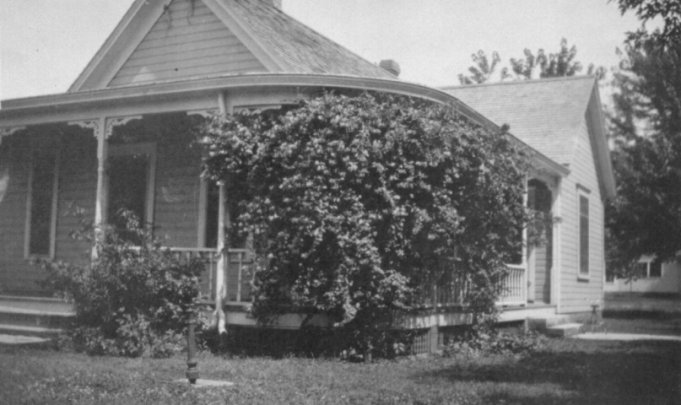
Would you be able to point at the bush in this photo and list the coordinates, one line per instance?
(133, 299)
(354, 204)
(485, 339)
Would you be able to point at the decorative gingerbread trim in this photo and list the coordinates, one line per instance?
(204, 113)
(111, 123)
(7, 131)
(87, 124)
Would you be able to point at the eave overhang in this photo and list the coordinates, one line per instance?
(90, 104)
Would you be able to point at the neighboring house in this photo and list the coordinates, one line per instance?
(119, 138)
(650, 276)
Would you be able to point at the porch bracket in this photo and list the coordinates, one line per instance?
(7, 131)
(92, 124)
(204, 113)
(113, 122)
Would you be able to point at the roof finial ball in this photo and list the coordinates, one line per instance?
(391, 66)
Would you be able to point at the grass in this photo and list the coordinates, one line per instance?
(643, 313)
(564, 372)
(648, 305)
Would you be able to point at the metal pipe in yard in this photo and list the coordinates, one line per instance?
(192, 363)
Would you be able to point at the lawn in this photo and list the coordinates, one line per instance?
(641, 304)
(643, 313)
(563, 372)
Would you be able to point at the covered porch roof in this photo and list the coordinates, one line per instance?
(209, 94)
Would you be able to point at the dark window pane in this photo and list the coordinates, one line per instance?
(583, 235)
(127, 190)
(656, 268)
(42, 188)
(212, 204)
(641, 270)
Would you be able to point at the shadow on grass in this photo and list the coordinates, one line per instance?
(653, 314)
(635, 373)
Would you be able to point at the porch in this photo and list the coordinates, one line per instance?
(147, 163)
(227, 283)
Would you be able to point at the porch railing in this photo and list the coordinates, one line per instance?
(237, 272)
(238, 275)
(514, 286)
(455, 290)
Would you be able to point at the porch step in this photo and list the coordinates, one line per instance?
(564, 330)
(29, 319)
(19, 330)
(35, 318)
(541, 324)
(19, 340)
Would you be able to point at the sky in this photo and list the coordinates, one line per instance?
(45, 44)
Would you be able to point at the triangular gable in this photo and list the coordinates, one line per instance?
(188, 40)
(255, 36)
(145, 20)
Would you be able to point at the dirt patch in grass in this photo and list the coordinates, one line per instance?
(565, 372)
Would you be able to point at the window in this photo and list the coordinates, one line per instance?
(648, 269)
(210, 236)
(640, 270)
(42, 202)
(131, 171)
(583, 235)
(655, 268)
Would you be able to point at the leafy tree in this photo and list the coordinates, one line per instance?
(669, 11)
(530, 66)
(561, 63)
(355, 204)
(483, 69)
(645, 126)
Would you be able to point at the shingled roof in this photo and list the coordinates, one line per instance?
(298, 48)
(543, 113)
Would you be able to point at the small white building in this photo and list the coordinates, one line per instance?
(652, 276)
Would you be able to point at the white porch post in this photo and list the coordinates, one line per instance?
(556, 245)
(98, 126)
(102, 129)
(223, 245)
(223, 252)
(102, 186)
(525, 280)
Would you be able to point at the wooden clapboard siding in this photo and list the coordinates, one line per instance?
(16, 275)
(77, 194)
(578, 294)
(185, 43)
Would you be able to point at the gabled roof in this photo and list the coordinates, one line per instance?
(296, 47)
(547, 115)
(280, 43)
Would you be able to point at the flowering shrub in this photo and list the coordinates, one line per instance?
(484, 339)
(131, 300)
(354, 203)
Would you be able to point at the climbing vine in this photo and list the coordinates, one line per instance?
(354, 203)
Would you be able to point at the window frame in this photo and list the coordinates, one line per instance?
(141, 148)
(54, 206)
(650, 268)
(583, 249)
